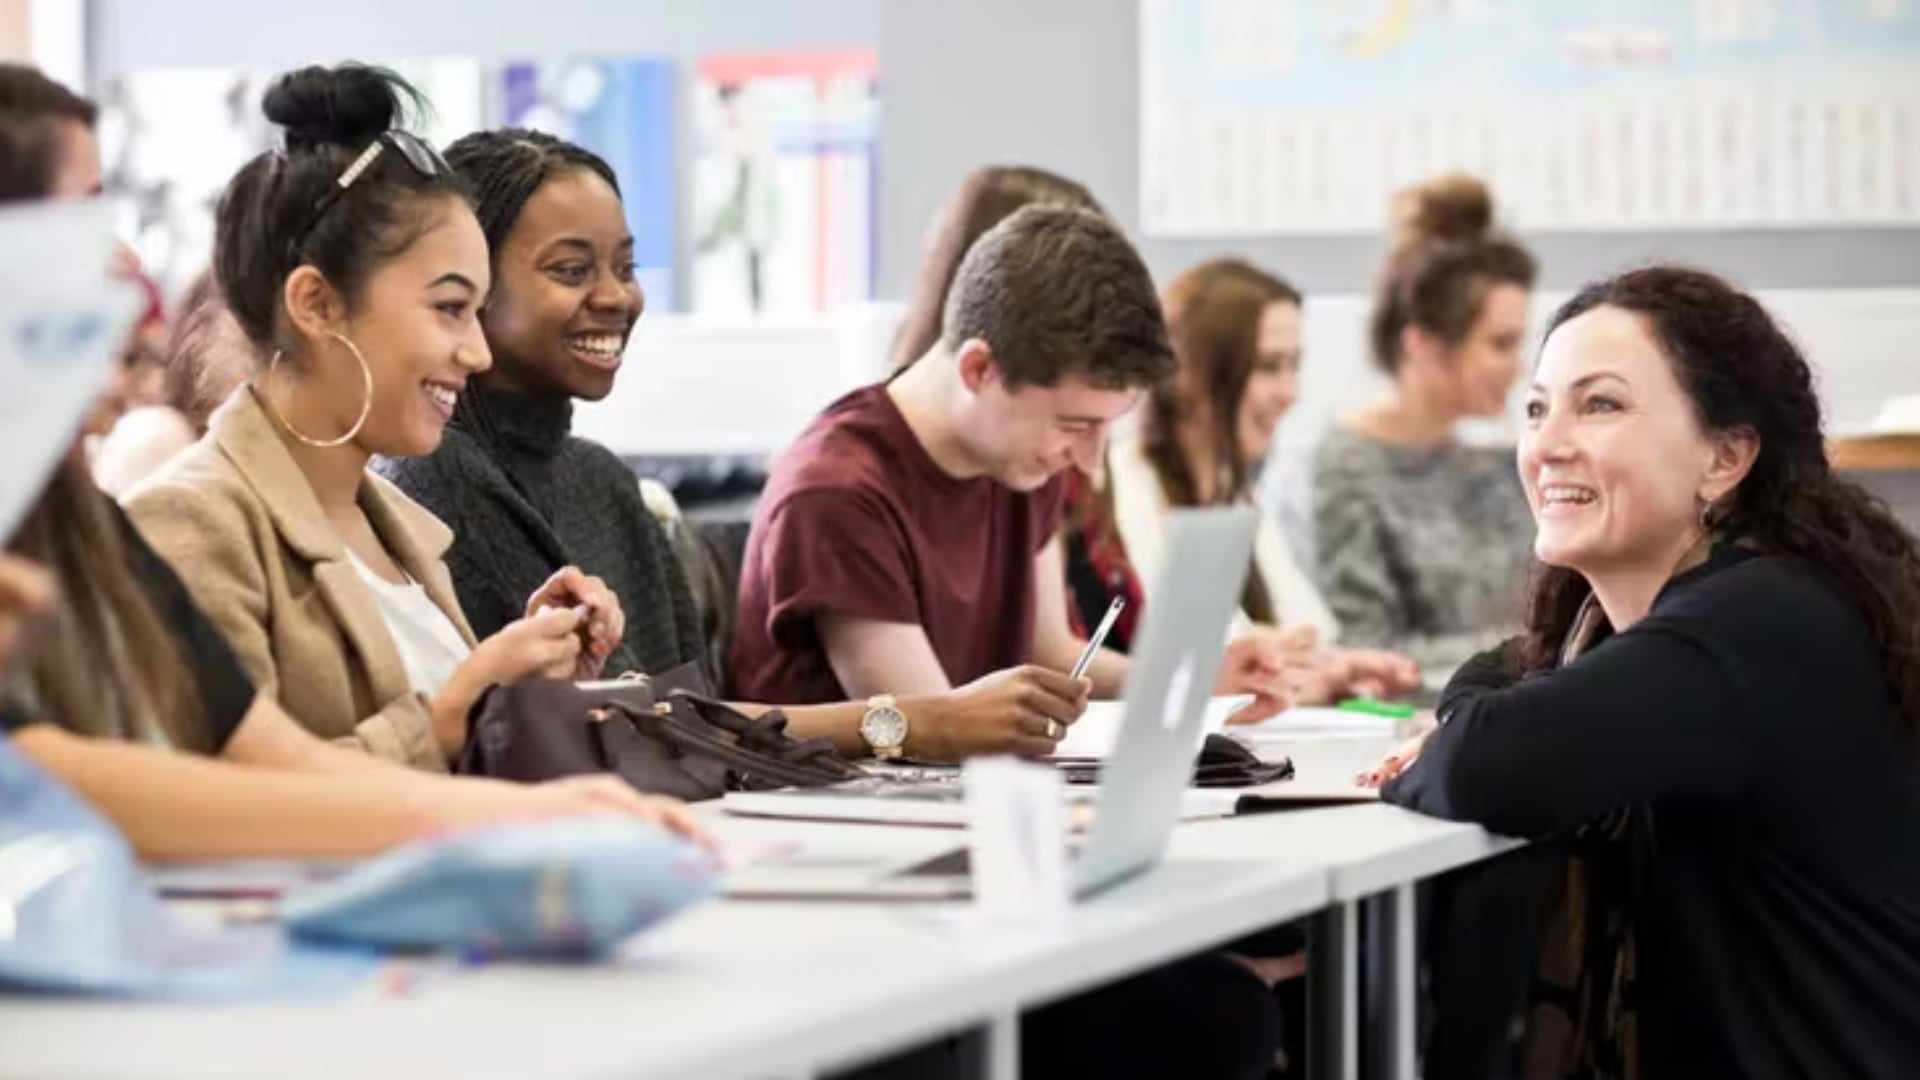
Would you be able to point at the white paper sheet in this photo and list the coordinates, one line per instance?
(1093, 735)
(1309, 722)
(1016, 826)
(62, 323)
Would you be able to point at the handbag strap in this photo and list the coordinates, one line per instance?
(766, 733)
(787, 764)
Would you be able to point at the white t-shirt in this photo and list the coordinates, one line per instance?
(430, 645)
(1140, 512)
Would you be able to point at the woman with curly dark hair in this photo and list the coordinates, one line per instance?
(1715, 702)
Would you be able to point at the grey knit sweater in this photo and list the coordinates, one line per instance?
(1424, 551)
(525, 498)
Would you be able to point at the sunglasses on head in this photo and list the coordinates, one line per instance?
(423, 159)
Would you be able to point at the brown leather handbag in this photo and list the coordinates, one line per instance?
(664, 734)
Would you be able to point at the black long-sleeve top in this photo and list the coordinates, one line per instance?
(1749, 721)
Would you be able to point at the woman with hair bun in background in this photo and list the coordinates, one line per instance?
(1420, 539)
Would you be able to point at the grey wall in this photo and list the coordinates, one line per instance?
(131, 34)
(965, 82)
(160, 33)
(1055, 83)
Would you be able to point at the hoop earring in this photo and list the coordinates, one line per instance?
(1706, 515)
(366, 405)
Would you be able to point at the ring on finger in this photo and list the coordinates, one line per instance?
(1054, 730)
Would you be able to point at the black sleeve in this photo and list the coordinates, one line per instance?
(1494, 669)
(226, 693)
(1650, 714)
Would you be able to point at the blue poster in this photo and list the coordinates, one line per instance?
(623, 110)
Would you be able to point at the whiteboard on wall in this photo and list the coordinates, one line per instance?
(1304, 116)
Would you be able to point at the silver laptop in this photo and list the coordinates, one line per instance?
(1174, 663)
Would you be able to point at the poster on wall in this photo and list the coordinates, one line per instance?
(624, 110)
(171, 139)
(783, 181)
(1285, 116)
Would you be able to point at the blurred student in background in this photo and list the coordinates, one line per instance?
(1421, 541)
(1202, 439)
(202, 356)
(986, 197)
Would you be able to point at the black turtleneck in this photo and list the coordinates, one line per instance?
(525, 498)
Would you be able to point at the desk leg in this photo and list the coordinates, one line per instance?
(1388, 994)
(1003, 1047)
(1332, 982)
(992, 1050)
(1404, 947)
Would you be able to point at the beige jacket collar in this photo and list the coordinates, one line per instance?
(417, 540)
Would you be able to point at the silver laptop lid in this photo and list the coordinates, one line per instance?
(1174, 664)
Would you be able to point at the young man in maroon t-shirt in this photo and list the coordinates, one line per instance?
(907, 542)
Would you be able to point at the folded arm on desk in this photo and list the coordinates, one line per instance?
(1648, 715)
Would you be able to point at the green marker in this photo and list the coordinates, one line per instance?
(1371, 707)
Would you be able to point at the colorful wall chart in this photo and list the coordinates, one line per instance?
(1304, 116)
(783, 180)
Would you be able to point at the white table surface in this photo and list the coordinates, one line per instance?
(759, 989)
(741, 989)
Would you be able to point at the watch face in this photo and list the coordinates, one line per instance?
(883, 727)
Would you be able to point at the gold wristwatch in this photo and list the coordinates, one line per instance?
(884, 727)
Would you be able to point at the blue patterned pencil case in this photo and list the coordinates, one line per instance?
(569, 888)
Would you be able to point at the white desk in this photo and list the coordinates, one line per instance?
(737, 989)
(1375, 854)
(755, 990)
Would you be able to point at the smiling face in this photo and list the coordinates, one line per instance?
(566, 300)
(1025, 437)
(1614, 460)
(415, 321)
(1273, 384)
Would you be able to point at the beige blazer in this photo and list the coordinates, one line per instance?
(238, 520)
